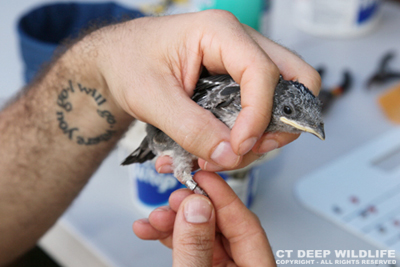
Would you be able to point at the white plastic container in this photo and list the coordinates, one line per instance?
(336, 18)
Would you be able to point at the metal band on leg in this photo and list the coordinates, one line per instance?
(192, 185)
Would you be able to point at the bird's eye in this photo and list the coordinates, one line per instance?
(287, 110)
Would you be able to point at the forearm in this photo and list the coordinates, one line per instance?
(53, 137)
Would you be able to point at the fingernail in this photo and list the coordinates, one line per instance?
(167, 168)
(197, 210)
(267, 146)
(212, 167)
(224, 156)
(247, 145)
(143, 221)
(162, 208)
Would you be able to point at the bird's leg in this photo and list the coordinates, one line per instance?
(192, 185)
(182, 166)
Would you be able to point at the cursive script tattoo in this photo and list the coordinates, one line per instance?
(64, 102)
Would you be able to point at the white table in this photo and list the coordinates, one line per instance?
(96, 229)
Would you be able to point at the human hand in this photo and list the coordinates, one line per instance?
(208, 233)
(151, 66)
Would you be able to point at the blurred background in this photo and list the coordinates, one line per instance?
(343, 193)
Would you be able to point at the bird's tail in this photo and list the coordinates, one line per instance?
(141, 154)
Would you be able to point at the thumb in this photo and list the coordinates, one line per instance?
(194, 232)
(195, 129)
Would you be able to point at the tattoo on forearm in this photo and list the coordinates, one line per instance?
(73, 133)
(62, 100)
(63, 125)
(92, 92)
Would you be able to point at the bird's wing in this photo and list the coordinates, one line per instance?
(141, 154)
(161, 139)
(216, 91)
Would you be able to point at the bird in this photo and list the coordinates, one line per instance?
(295, 110)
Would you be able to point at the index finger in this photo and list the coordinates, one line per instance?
(247, 239)
(234, 51)
(290, 65)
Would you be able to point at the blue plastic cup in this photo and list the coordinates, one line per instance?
(43, 29)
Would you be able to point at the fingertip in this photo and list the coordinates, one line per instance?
(248, 128)
(142, 221)
(265, 145)
(142, 228)
(167, 168)
(210, 167)
(164, 164)
(162, 219)
(202, 163)
(247, 145)
(176, 198)
(224, 155)
(310, 78)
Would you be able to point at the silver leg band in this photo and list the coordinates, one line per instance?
(191, 184)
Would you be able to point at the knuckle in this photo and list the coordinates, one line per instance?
(193, 243)
(219, 14)
(313, 80)
(271, 68)
(249, 230)
(247, 227)
(316, 78)
(267, 66)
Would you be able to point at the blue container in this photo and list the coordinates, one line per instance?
(151, 189)
(44, 28)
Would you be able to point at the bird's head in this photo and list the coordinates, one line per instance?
(296, 110)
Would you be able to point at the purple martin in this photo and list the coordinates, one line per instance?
(295, 110)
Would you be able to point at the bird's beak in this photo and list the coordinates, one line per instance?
(317, 131)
